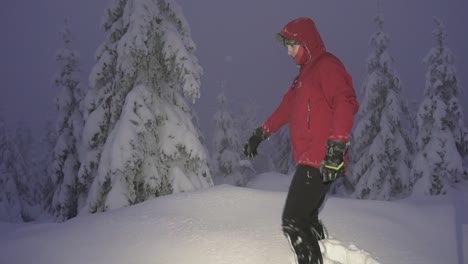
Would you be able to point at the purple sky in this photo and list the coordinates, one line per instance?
(235, 41)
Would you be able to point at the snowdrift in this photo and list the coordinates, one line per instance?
(232, 225)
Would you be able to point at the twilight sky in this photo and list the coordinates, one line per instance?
(235, 46)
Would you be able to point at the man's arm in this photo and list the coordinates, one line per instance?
(280, 116)
(273, 123)
(338, 89)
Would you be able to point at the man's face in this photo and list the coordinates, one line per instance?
(292, 50)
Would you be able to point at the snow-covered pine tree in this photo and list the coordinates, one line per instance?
(441, 138)
(100, 112)
(246, 121)
(43, 188)
(65, 163)
(226, 159)
(15, 201)
(31, 150)
(282, 154)
(380, 148)
(24, 140)
(139, 139)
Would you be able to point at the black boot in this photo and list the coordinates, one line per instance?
(319, 230)
(304, 244)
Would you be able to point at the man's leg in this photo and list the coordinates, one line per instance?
(305, 197)
(316, 226)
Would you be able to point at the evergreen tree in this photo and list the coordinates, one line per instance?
(380, 148)
(227, 148)
(15, 202)
(282, 155)
(43, 188)
(139, 139)
(246, 121)
(106, 80)
(65, 162)
(441, 133)
(24, 141)
(27, 148)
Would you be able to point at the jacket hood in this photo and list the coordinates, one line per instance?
(304, 31)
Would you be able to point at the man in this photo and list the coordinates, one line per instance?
(319, 108)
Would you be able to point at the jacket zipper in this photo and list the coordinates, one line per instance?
(308, 113)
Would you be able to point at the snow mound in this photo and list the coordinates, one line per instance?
(271, 181)
(221, 225)
(336, 253)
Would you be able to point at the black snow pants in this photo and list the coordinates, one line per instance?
(301, 225)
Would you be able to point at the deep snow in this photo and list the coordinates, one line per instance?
(234, 225)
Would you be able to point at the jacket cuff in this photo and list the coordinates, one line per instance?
(266, 129)
(340, 138)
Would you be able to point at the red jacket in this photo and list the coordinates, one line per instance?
(320, 104)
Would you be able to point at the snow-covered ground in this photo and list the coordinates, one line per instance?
(232, 225)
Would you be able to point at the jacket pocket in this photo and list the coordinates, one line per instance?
(308, 113)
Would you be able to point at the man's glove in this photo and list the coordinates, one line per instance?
(332, 166)
(250, 149)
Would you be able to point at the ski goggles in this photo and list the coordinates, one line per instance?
(289, 42)
(286, 41)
